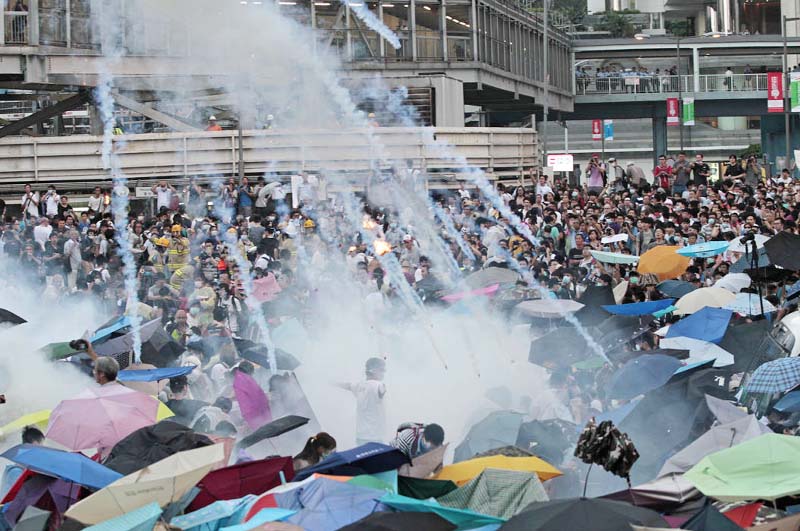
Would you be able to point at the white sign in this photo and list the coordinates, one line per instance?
(144, 191)
(560, 162)
(621, 237)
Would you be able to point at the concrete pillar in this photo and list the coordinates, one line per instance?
(696, 68)
(95, 121)
(659, 137)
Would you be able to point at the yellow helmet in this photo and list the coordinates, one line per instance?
(162, 242)
(309, 224)
(176, 228)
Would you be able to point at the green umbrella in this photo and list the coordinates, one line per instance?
(58, 351)
(764, 468)
(462, 518)
(500, 493)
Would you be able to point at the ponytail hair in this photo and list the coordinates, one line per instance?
(310, 452)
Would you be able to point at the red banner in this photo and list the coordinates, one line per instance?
(597, 129)
(673, 117)
(774, 92)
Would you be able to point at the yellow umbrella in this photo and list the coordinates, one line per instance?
(37, 418)
(463, 472)
(163, 412)
(664, 262)
(698, 299)
(164, 482)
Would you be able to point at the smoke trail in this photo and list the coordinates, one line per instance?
(368, 17)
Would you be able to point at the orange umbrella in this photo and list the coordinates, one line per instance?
(664, 262)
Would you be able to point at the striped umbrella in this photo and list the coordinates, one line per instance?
(775, 376)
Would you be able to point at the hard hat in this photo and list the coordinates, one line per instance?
(309, 224)
(212, 118)
(162, 242)
(176, 228)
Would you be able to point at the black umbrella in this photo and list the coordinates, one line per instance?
(621, 355)
(185, 409)
(603, 444)
(151, 444)
(744, 341)
(595, 514)
(259, 354)
(620, 329)
(386, 521)
(7, 317)
(158, 348)
(561, 347)
(783, 250)
(593, 300)
(548, 439)
(764, 269)
(675, 288)
(273, 429)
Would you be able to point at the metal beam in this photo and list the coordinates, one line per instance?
(62, 106)
(153, 114)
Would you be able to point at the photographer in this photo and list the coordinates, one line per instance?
(51, 200)
(596, 174)
(752, 176)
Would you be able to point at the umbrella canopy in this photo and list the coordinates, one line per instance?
(422, 489)
(164, 482)
(214, 516)
(675, 288)
(750, 304)
(326, 505)
(715, 439)
(705, 249)
(153, 375)
(462, 518)
(33, 519)
(386, 521)
(548, 439)
(425, 465)
(614, 258)
(75, 468)
(664, 262)
(789, 403)
(744, 340)
(699, 351)
(561, 347)
(739, 246)
(662, 494)
(251, 477)
(264, 516)
(158, 348)
(710, 519)
(151, 444)
(703, 297)
(499, 428)
(764, 468)
(368, 458)
(775, 376)
(640, 375)
(253, 401)
(10, 318)
(763, 267)
(33, 489)
(707, 324)
(500, 493)
(141, 519)
(274, 429)
(465, 471)
(639, 308)
(490, 275)
(734, 282)
(596, 514)
(37, 418)
(100, 417)
(783, 250)
(259, 354)
(548, 308)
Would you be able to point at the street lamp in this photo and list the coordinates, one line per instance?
(786, 82)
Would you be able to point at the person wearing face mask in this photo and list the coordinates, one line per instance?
(316, 449)
(415, 439)
(202, 301)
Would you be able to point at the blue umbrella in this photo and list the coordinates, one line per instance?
(369, 458)
(707, 324)
(616, 415)
(642, 374)
(142, 519)
(639, 308)
(112, 327)
(775, 376)
(75, 468)
(264, 516)
(675, 288)
(704, 250)
(789, 403)
(214, 516)
(463, 518)
(153, 375)
(327, 505)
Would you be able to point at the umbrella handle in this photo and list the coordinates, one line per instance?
(586, 479)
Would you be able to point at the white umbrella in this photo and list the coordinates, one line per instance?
(700, 298)
(738, 247)
(699, 350)
(619, 291)
(614, 258)
(551, 308)
(749, 304)
(734, 282)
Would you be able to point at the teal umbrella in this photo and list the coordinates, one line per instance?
(704, 250)
(614, 258)
(214, 516)
(142, 519)
(462, 518)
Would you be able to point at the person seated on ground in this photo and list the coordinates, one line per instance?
(211, 416)
(415, 439)
(316, 449)
(12, 473)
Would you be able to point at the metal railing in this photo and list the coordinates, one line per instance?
(649, 84)
(16, 27)
(504, 151)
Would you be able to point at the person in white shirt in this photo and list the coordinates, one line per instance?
(542, 187)
(30, 203)
(96, 200)
(51, 199)
(370, 405)
(163, 191)
(41, 232)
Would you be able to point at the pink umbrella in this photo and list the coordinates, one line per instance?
(266, 288)
(100, 417)
(487, 291)
(253, 402)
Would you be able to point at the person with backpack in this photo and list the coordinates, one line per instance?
(415, 439)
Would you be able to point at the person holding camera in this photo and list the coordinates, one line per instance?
(752, 172)
(51, 200)
(596, 174)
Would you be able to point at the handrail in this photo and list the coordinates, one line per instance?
(505, 151)
(650, 83)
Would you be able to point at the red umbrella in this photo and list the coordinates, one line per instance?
(253, 477)
(253, 402)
